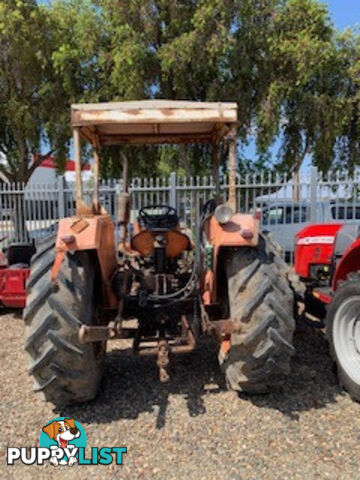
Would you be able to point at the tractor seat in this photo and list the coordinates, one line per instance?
(19, 266)
(345, 237)
(20, 253)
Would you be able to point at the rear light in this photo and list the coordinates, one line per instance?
(246, 233)
(67, 239)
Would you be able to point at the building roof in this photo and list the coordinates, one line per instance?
(50, 162)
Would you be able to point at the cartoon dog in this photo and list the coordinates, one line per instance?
(62, 431)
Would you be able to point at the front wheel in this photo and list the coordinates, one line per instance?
(343, 328)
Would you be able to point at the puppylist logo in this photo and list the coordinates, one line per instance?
(63, 443)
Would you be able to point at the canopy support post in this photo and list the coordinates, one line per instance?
(96, 157)
(125, 165)
(215, 158)
(232, 171)
(124, 204)
(78, 178)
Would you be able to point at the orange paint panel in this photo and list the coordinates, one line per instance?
(225, 346)
(208, 287)
(143, 243)
(176, 243)
(230, 234)
(99, 236)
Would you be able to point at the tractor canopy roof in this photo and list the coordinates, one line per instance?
(154, 122)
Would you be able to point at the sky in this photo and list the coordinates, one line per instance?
(345, 13)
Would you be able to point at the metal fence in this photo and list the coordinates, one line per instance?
(32, 211)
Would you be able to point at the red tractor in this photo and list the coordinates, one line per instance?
(327, 260)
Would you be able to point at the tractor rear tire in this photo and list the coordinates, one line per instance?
(261, 303)
(65, 370)
(343, 330)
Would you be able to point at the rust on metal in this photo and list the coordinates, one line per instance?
(89, 334)
(163, 360)
(223, 327)
(155, 139)
(172, 121)
(150, 351)
(134, 111)
(183, 344)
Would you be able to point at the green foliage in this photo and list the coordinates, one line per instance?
(77, 44)
(347, 146)
(302, 53)
(23, 82)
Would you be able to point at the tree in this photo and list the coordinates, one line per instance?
(165, 49)
(300, 49)
(347, 146)
(25, 91)
(311, 104)
(280, 61)
(47, 60)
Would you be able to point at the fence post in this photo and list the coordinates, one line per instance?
(61, 196)
(172, 196)
(313, 194)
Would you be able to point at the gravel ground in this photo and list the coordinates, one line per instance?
(192, 428)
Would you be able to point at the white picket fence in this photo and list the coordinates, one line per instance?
(33, 211)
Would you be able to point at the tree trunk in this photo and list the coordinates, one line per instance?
(296, 172)
(296, 184)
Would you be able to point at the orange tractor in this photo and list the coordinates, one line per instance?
(229, 281)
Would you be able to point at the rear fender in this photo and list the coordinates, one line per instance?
(350, 262)
(240, 231)
(95, 233)
(233, 233)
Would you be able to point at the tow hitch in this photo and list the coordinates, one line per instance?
(159, 347)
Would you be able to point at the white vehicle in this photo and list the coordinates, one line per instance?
(286, 218)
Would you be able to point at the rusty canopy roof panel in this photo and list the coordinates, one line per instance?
(154, 121)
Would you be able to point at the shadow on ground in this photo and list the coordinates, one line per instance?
(312, 382)
(15, 312)
(131, 386)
